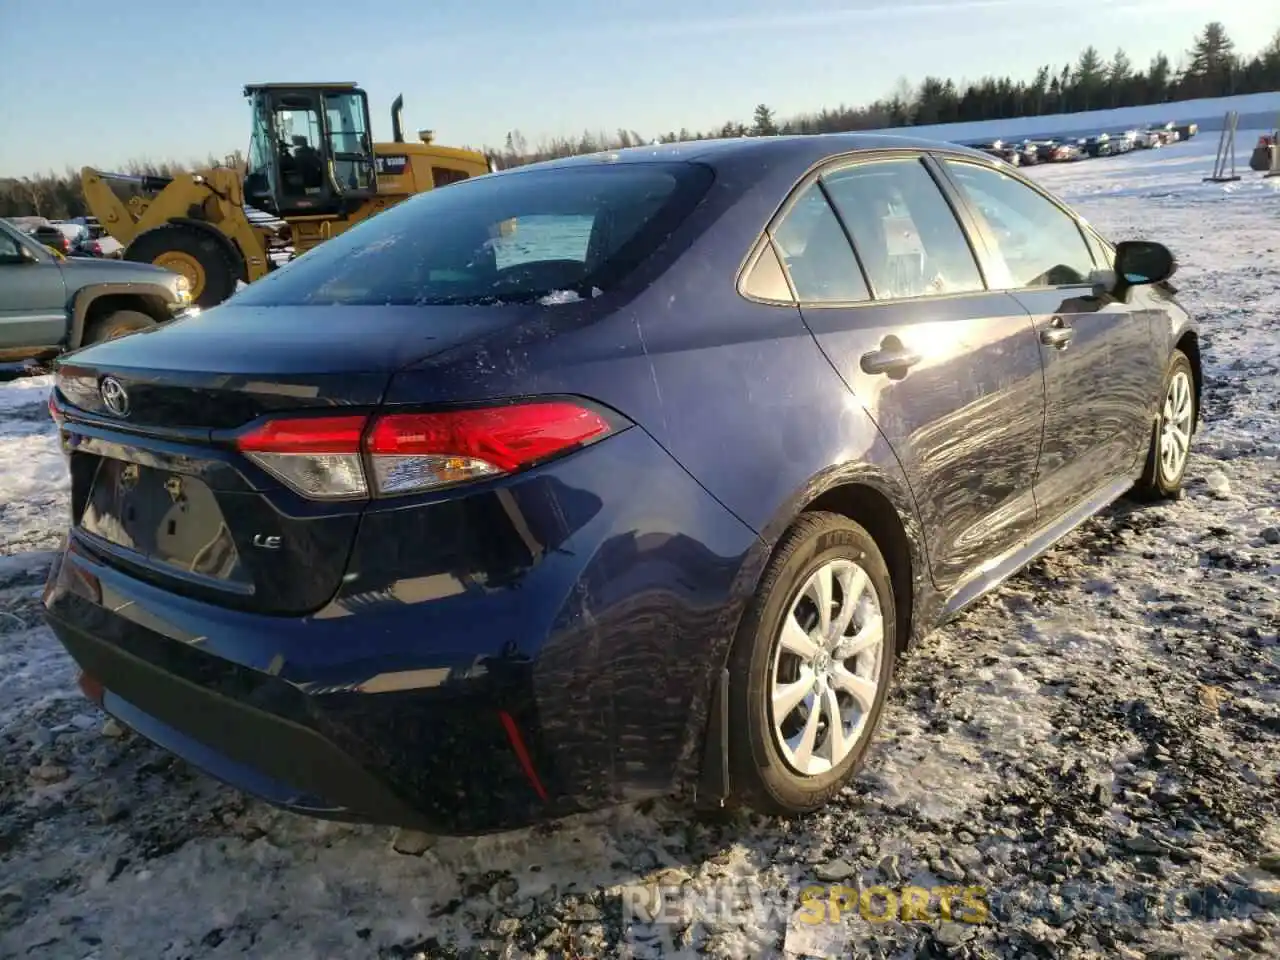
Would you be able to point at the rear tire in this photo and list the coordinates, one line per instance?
(117, 324)
(194, 253)
(1169, 451)
(783, 666)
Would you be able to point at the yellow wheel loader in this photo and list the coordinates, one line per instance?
(312, 171)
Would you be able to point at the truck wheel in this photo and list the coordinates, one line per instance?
(199, 257)
(116, 324)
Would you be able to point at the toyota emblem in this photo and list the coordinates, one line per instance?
(114, 396)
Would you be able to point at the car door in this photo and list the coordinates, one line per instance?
(33, 296)
(949, 371)
(1097, 350)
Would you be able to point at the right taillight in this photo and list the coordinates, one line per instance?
(347, 457)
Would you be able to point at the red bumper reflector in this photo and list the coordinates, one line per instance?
(522, 754)
(91, 687)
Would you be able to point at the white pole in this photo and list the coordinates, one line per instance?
(1235, 119)
(1222, 137)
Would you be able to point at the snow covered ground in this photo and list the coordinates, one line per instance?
(1095, 747)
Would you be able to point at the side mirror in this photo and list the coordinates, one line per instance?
(1140, 262)
(1137, 263)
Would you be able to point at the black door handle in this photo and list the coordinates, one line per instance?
(1057, 334)
(894, 361)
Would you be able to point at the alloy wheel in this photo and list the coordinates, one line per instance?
(1175, 427)
(826, 668)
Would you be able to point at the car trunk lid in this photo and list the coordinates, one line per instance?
(159, 486)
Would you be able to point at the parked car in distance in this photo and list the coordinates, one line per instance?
(1006, 150)
(102, 246)
(53, 237)
(457, 528)
(49, 305)
(1098, 145)
(1122, 142)
(1065, 152)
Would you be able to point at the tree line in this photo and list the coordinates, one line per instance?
(1211, 68)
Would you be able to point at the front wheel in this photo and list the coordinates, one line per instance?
(810, 667)
(1170, 448)
(118, 324)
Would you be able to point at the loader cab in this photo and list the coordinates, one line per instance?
(311, 152)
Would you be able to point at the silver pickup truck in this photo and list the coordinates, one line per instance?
(50, 304)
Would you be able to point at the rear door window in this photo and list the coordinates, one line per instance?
(816, 252)
(907, 237)
(514, 237)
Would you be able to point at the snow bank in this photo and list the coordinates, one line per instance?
(1255, 109)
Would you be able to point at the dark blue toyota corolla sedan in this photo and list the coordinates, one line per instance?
(613, 477)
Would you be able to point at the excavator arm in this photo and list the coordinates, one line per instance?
(211, 200)
(103, 203)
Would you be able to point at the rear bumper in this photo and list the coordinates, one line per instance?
(487, 664)
(332, 753)
(231, 740)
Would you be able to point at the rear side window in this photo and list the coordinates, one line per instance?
(906, 234)
(766, 280)
(816, 252)
(1040, 244)
(501, 238)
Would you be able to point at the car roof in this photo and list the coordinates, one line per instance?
(795, 151)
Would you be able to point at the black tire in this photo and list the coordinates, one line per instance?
(761, 777)
(117, 324)
(220, 270)
(1156, 482)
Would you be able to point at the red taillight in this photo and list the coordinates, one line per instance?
(309, 435)
(317, 456)
(420, 451)
(53, 408)
(325, 457)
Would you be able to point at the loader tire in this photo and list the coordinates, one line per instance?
(197, 255)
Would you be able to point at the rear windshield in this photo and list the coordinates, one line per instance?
(559, 234)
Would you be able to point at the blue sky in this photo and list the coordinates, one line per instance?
(92, 82)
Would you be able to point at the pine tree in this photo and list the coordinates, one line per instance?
(1119, 74)
(1211, 72)
(763, 124)
(1159, 76)
(1090, 76)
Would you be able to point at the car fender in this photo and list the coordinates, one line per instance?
(86, 295)
(707, 735)
(891, 484)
